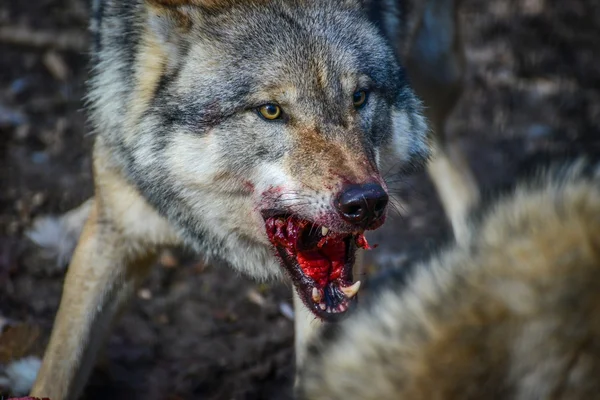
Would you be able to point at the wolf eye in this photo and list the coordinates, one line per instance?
(270, 111)
(359, 98)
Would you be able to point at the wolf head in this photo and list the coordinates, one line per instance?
(260, 129)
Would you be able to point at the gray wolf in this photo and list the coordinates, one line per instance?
(510, 313)
(255, 132)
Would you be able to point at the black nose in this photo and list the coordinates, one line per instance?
(362, 205)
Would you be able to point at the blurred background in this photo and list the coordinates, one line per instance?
(194, 331)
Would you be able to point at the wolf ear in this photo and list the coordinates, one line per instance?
(197, 3)
(169, 17)
(168, 22)
(174, 3)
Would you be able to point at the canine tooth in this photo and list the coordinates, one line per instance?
(316, 295)
(350, 291)
(324, 231)
(322, 306)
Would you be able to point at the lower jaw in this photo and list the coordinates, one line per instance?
(336, 304)
(330, 313)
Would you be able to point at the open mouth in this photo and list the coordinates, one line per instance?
(319, 262)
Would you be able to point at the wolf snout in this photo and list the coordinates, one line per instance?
(363, 205)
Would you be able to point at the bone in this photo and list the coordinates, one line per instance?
(27, 36)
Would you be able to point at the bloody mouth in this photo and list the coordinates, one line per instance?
(319, 262)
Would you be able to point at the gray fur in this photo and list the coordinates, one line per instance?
(211, 81)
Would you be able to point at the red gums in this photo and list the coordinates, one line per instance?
(285, 232)
(324, 262)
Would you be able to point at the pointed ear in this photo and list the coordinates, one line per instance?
(168, 22)
(168, 18)
(175, 3)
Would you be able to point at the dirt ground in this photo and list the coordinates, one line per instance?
(198, 331)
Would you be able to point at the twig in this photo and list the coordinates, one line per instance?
(21, 35)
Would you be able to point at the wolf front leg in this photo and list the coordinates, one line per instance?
(435, 63)
(113, 255)
(101, 277)
(305, 325)
(456, 187)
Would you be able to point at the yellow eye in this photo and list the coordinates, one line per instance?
(359, 98)
(270, 111)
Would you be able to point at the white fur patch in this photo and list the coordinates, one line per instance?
(59, 234)
(194, 161)
(19, 376)
(227, 214)
(272, 175)
(403, 139)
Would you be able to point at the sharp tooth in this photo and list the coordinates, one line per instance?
(350, 291)
(329, 310)
(324, 231)
(322, 306)
(316, 295)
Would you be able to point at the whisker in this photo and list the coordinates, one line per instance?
(398, 208)
(390, 169)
